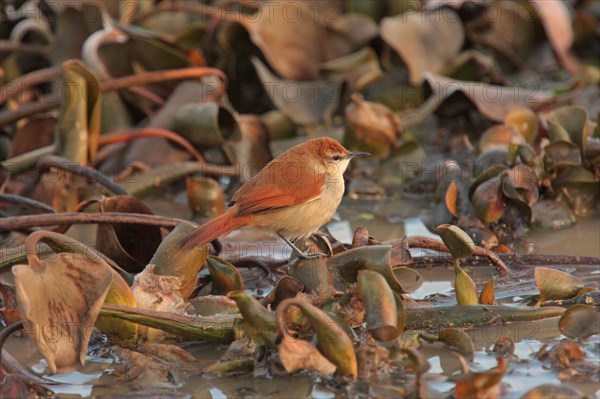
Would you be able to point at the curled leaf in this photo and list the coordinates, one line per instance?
(130, 245)
(121, 332)
(61, 297)
(481, 384)
(415, 37)
(487, 296)
(169, 260)
(466, 290)
(259, 323)
(456, 240)
(371, 127)
(380, 304)
(555, 284)
(457, 338)
(300, 355)
(225, 276)
(332, 340)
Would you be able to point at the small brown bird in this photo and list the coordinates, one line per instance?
(293, 195)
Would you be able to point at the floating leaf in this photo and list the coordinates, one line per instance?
(381, 312)
(580, 321)
(61, 297)
(225, 276)
(466, 291)
(487, 296)
(415, 36)
(456, 240)
(170, 260)
(332, 341)
(300, 355)
(457, 338)
(555, 284)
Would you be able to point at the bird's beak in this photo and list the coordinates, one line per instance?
(353, 154)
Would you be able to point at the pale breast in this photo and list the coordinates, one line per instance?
(301, 221)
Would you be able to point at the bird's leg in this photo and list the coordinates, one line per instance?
(299, 252)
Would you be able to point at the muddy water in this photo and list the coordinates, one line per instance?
(97, 378)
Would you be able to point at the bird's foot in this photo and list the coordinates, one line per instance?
(300, 253)
(308, 255)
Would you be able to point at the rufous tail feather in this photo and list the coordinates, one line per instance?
(214, 228)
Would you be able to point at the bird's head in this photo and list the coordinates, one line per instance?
(332, 155)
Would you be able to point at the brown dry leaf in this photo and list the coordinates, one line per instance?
(59, 300)
(487, 296)
(146, 370)
(481, 385)
(556, 19)
(372, 127)
(304, 102)
(130, 245)
(300, 355)
(451, 198)
(291, 39)
(416, 37)
(156, 292)
(494, 102)
(555, 284)
(252, 152)
(352, 31)
(36, 132)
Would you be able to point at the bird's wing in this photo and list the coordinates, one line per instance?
(258, 196)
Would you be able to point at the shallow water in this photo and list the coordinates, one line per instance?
(97, 378)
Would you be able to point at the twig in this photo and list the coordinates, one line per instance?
(24, 201)
(162, 76)
(26, 110)
(44, 220)
(438, 245)
(130, 135)
(78, 169)
(28, 80)
(4, 334)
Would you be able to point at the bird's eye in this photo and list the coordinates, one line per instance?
(336, 157)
